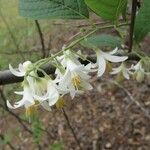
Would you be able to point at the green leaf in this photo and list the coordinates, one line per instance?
(124, 11)
(53, 9)
(107, 9)
(142, 22)
(102, 40)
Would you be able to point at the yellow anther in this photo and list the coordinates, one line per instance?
(32, 110)
(108, 66)
(76, 82)
(60, 103)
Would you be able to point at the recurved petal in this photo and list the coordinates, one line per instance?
(19, 92)
(46, 106)
(112, 58)
(114, 51)
(53, 95)
(21, 69)
(115, 70)
(16, 73)
(101, 65)
(87, 86)
(9, 105)
(126, 75)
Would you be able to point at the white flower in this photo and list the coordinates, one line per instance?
(103, 57)
(27, 99)
(45, 89)
(123, 70)
(22, 69)
(139, 71)
(76, 78)
(37, 91)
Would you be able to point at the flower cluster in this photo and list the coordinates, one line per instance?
(71, 77)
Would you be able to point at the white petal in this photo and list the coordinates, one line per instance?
(23, 102)
(9, 105)
(87, 86)
(73, 93)
(46, 106)
(112, 58)
(21, 69)
(40, 98)
(26, 64)
(53, 94)
(126, 75)
(16, 73)
(20, 103)
(116, 70)
(19, 92)
(66, 79)
(84, 76)
(114, 51)
(101, 65)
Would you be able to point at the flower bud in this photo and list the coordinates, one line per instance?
(140, 76)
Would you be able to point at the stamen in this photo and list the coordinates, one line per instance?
(60, 103)
(76, 82)
(32, 110)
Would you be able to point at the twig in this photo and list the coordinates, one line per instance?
(21, 121)
(10, 145)
(133, 16)
(41, 38)
(11, 113)
(6, 77)
(71, 128)
(146, 113)
(92, 32)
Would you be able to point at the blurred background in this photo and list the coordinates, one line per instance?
(110, 117)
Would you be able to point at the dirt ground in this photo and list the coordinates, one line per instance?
(108, 117)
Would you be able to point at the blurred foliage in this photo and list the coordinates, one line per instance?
(36, 128)
(24, 32)
(57, 146)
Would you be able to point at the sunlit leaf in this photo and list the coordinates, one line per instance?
(103, 40)
(107, 9)
(142, 22)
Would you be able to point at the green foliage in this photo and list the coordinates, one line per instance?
(142, 22)
(57, 146)
(107, 9)
(124, 10)
(36, 129)
(102, 40)
(53, 9)
(7, 138)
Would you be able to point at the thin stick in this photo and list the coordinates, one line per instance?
(133, 16)
(8, 143)
(71, 128)
(41, 38)
(11, 113)
(131, 98)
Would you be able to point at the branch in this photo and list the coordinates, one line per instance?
(146, 113)
(41, 38)
(6, 77)
(71, 128)
(10, 145)
(133, 16)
